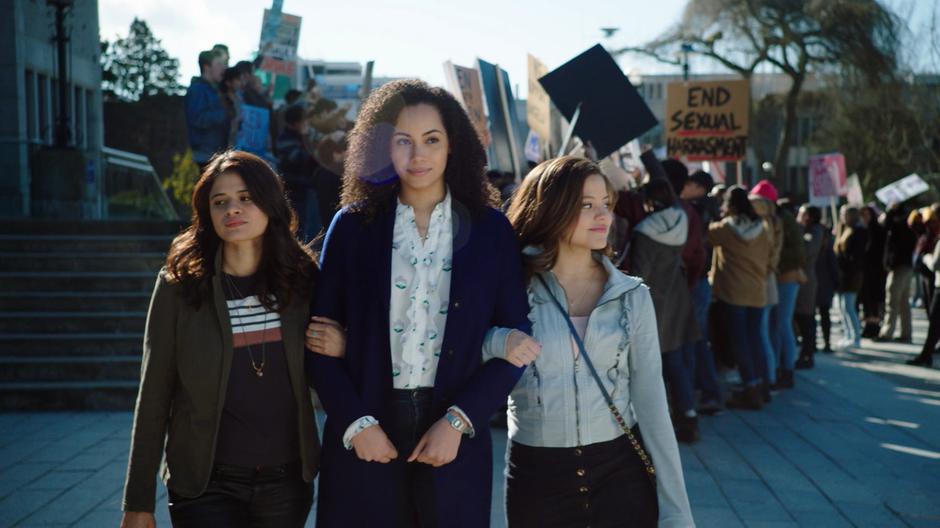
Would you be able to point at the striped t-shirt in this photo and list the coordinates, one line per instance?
(259, 418)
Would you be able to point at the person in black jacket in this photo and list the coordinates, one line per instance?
(297, 165)
(827, 278)
(898, 259)
(872, 295)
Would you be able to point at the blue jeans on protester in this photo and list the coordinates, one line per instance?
(767, 348)
(782, 328)
(679, 366)
(706, 376)
(744, 329)
(851, 326)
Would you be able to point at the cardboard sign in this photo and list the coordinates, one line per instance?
(901, 190)
(470, 93)
(538, 104)
(707, 120)
(612, 111)
(253, 134)
(280, 34)
(853, 190)
(827, 178)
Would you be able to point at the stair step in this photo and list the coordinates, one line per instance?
(51, 281)
(74, 261)
(85, 243)
(69, 368)
(103, 395)
(24, 301)
(68, 322)
(74, 344)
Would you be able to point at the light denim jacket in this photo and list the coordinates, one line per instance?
(557, 402)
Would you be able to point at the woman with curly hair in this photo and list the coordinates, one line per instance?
(223, 393)
(419, 268)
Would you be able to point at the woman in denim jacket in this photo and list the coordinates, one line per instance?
(569, 462)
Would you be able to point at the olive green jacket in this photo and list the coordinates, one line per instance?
(187, 355)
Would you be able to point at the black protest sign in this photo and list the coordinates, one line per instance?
(612, 111)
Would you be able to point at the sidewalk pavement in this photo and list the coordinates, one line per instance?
(857, 443)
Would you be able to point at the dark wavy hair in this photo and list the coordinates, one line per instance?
(738, 202)
(546, 206)
(287, 267)
(369, 178)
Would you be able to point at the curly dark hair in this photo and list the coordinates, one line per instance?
(287, 267)
(369, 178)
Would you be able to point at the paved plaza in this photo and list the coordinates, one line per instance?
(857, 443)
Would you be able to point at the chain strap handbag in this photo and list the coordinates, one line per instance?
(634, 441)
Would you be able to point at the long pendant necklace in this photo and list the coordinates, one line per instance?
(258, 368)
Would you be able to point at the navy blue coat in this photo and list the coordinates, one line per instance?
(487, 289)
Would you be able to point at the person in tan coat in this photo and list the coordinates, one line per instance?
(767, 210)
(742, 252)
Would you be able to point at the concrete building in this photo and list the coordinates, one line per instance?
(29, 94)
(339, 81)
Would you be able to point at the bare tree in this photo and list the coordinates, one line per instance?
(796, 37)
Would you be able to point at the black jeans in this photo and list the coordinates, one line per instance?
(598, 485)
(825, 322)
(240, 497)
(416, 491)
(807, 326)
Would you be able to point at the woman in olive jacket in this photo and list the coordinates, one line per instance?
(222, 378)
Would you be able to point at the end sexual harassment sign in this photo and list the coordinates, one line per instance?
(707, 120)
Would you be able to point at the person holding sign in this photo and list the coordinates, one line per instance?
(575, 456)
(419, 267)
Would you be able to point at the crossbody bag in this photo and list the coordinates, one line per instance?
(634, 441)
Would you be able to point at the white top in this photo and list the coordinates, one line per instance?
(420, 294)
(580, 324)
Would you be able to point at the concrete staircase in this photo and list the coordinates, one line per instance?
(73, 303)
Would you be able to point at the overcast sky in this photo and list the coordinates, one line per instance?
(412, 38)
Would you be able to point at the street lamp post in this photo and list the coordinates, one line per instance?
(686, 49)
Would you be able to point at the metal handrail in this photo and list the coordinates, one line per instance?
(140, 163)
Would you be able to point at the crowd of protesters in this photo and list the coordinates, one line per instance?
(609, 308)
(769, 269)
(303, 138)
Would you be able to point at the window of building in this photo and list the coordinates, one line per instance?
(44, 130)
(32, 110)
(89, 140)
(78, 120)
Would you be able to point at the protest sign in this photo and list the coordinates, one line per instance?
(611, 110)
(533, 152)
(464, 84)
(827, 178)
(707, 120)
(253, 134)
(903, 189)
(853, 190)
(538, 104)
(280, 33)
